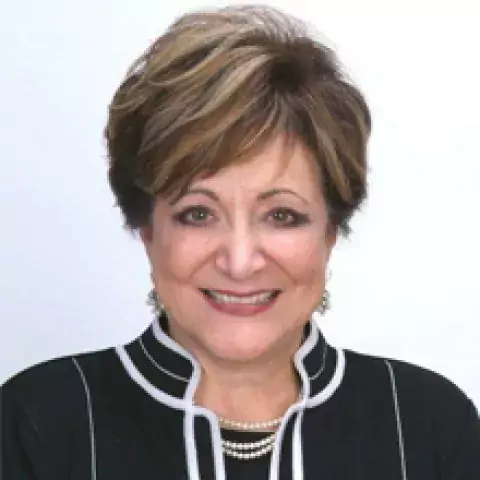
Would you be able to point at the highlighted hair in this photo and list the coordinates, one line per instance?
(215, 88)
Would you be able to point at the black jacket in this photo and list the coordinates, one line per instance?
(127, 414)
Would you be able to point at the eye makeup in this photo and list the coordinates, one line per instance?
(279, 217)
(194, 216)
(284, 217)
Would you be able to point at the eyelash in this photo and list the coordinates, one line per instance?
(181, 217)
(297, 218)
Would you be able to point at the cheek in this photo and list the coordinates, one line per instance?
(177, 254)
(302, 255)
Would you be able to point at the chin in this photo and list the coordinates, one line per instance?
(240, 353)
(234, 337)
(242, 343)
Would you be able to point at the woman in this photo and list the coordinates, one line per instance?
(238, 153)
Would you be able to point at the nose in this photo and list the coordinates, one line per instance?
(240, 254)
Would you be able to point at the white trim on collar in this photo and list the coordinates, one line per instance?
(191, 411)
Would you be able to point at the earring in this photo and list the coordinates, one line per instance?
(325, 303)
(154, 302)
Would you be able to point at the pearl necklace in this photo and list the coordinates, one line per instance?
(249, 450)
(250, 426)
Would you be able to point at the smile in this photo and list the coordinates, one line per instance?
(260, 298)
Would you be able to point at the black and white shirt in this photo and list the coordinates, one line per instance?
(127, 413)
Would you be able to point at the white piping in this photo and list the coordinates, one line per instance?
(322, 367)
(219, 463)
(163, 338)
(186, 405)
(189, 424)
(275, 460)
(158, 366)
(307, 346)
(193, 410)
(297, 444)
(401, 445)
(300, 355)
(139, 379)
(321, 397)
(334, 383)
(90, 419)
(190, 446)
(297, 448)
(189, 432)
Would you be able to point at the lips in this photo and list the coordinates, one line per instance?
(260, 297)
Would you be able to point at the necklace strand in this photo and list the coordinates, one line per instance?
(249, 445)
(249, 455)
(251, 450)
(250, 426)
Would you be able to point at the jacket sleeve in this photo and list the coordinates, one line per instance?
(440, 424)
(458, 443)
(42, 415)
(20, 452)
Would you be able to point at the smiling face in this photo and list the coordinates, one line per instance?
(239, 260)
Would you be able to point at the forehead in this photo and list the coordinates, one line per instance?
(277, 164)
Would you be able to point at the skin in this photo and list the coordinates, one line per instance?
(230, 237)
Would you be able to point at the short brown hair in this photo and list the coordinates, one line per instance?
(221, 83)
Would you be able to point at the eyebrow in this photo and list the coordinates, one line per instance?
(262, 196)
(279, 191)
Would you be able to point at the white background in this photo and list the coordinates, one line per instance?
(406, 285)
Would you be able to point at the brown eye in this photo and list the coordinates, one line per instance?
(198, 215)
(281, 216)
(286, 217)
(195, 216)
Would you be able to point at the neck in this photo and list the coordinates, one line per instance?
(247, 391)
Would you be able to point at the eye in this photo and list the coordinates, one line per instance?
(287, 217)
(194, 216)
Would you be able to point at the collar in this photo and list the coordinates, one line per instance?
(156, 361)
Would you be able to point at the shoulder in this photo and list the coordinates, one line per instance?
(418, 386)
(45, 411)
(431, 410)
(52, 386)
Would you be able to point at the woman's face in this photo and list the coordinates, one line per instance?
(239, 260)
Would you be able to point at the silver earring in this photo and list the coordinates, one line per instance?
(154, 302)
(325, 303)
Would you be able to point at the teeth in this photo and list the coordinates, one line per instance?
(251, 300)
